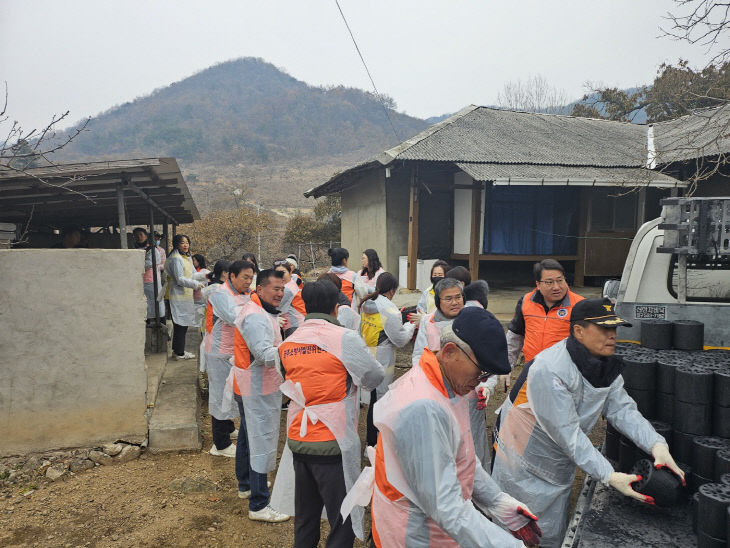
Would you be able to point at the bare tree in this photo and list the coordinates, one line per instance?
(703, 22)
(533, 95)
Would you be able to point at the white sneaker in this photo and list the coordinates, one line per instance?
(234, 434)
(185, 356)
(246, 494)
(267, 513)
(229, 451)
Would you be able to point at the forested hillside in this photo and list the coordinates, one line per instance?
(247, 123)
(244, 110)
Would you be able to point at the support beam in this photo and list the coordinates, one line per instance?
(155, 274)
(174, 232)
(475, 236)
(166, 236)
(580, 263)
(150, 201)
(413, 231)
(122, 217)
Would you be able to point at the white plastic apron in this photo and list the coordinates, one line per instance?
(526, 456)
(182, 307)
(391, 517)
(261, 398)
(341, 418)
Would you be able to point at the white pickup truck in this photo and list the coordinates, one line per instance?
(678, 268)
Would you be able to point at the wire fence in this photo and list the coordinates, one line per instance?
(312, 257)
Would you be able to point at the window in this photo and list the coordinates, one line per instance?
(611, 212)
(707, 281)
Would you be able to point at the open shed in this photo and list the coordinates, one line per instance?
(489, 186)
(108, 194)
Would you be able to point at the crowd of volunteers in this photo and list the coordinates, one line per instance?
(434, 475)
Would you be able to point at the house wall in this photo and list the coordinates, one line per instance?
(72, 334)
(397, 204)
(364, 218)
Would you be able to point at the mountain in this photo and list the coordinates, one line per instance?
(245, 110)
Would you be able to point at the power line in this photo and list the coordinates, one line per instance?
(377, 93)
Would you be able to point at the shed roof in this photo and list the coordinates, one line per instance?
(524, 146)
(703, 133)
(542, 175)
(86, 193)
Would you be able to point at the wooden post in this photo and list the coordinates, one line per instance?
(166, 236)
(122, 217)
(413, 232)
(640, 208)
(584, 205)
(155, 274)
(475, 237)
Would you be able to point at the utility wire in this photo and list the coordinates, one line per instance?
(377, 93)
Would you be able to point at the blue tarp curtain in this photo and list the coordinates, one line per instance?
(531, 221)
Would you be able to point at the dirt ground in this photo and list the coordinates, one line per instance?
(134, 504)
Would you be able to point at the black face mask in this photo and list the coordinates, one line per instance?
(141, 244)
(436, 279)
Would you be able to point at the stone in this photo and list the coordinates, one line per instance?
(129, 453)
(112, 449)
(55, 471)
(194, 484)
(99, 457)
(79, 465)
(32, 464)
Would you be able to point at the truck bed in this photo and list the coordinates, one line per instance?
(604, 518)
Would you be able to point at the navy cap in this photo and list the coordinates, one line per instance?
(597, 311)
(485, 336)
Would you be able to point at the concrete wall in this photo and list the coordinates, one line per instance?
(397, 204)
(72, 337)
(364, 218)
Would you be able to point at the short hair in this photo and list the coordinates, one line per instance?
(460, 273)
(140, 229)
(478, 291)
(236, 267)
(582, 323)
(331, 276)
(443, 285)
(320, 297)
(263, 277)
(338, 254)
(443, 264)
(448, 336)
(546, 264)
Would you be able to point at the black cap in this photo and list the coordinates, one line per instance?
(485, 336)
(597, 311)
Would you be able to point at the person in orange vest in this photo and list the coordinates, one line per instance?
(346, 315)
(292, 305)
(224, 304)
(542, 316)
(326, 365)
(352, 285)
(428, 487)
(255, 379)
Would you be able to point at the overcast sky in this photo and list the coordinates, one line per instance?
(431, 57)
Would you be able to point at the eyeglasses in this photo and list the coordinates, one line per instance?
(484, 376)
(550, 283)
(454, 299)
(281, 263)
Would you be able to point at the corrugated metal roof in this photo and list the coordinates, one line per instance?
(86, 193)
(526, 174)
(703, 133)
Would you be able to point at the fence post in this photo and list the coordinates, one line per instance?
(311, 252)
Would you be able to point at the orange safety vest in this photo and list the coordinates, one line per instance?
(323, 379)
(241, 353)
(542, 330)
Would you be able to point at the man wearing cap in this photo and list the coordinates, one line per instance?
(427, 478)
(543, 426)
